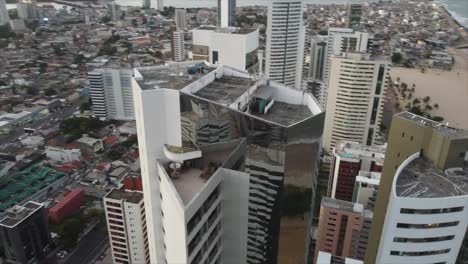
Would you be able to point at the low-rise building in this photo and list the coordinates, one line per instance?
(62, 154)
(90, 145)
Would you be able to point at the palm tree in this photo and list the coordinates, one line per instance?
(416, 101)
(436, 106)
(427, 99)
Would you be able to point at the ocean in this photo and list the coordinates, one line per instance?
(458, 9)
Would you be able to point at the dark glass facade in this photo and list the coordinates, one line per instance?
(282, 163)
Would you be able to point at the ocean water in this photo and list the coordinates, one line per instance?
(458, 9)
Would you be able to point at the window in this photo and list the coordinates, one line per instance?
(431, 211)
(422, 240)
(419, 253)
(427, 226)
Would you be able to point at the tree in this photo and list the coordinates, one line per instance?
(134, 23)
(416, 101)
(105, 19)
(50, 91)
(436, 106)
(31, 91)
(78, 59)
(158, 54)
(144, 21)
(5, 32)
(396, 57)
(85, 106)
(427, 99)
(69, 231)
(43, 67)
(58, 51)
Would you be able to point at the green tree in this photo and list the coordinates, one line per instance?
(31, 91)
(105, 19)
(78, 59)
(43, 67)
(70, 230)
(427, 99)
(50, 91)
(85, 106)
(436, 106)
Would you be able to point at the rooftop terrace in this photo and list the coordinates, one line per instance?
(225, 90)
(173, 76)
(128, 196)
(421, 179)
(345, 206)
(450, 132)
(350, 149)
(17, 214)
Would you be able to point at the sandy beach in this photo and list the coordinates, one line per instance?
(447, 88)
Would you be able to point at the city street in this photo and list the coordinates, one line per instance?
(89, 247)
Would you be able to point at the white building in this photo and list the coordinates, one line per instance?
(4, 17)
(27, 9)
(33, 141)
(181, 19)
(366, 188)
(18, 25)
(111, 93)
(178, 45)
(318, 51)
(340, 42)
(234, 47)
(327, 258)
(114, 12)
(427, 214)
(356, 93)
(226, 13)
(62, 155)
(128, 235)
(208, 199)
(285, 42)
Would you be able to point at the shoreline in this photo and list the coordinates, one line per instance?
(453, 17)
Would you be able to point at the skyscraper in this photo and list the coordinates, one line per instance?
(4, 17)
(178, 45)
(126, 224)
(421, 210)
(318, 51)
(111, 92)
(24, 233)
(181, 19)
(343, 228)
(210, 132)
(356, 92)
(226, 13)
(285, 42)
(341, 41)
(114, 11)
(27, 9)
(354, 15)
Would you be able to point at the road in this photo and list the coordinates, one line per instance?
(61, 114)
(89, 247)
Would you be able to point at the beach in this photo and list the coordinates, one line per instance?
(449, 89)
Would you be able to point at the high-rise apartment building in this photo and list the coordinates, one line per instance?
(366, 188)
(354, 15)
(318, 51)
(178, 45)
(421, 212)
(181, 19)
(111, 93)
(24, 233)
(356, 93)
(226, 13)
(348, 160)
(341, 41)
(343, 229)
(156, 4)
(114, 12)
(234, 47)
(4, 16)
(285, 42)
(126, 224)
(27, 9)
(220, 150)
(327, 258)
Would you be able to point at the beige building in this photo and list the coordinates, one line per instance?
(420, 215)
(355, 101)
(343, 229)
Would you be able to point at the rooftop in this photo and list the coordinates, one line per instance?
(450, 132)
(285, 114)
(421, 179)
(126, 195)
(172, 76)
(351, 149)
(228, 30)
(225, 90)
(17, 214)
(345, 206)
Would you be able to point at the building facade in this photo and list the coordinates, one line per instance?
(24, 234)
(349, 159)
(421, 211)
(366, 189)
(181, 19)
(354, 15)
(318, 51)
(285, 42)
(327, 258)
(216, 46)
(218, 132)
(62, 154)
(226, 13)
(27, 9)
(111, 93)
(356, 93)
(128, 236)
(178, 45)
(343, 229)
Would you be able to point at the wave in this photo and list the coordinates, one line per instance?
(450, 6)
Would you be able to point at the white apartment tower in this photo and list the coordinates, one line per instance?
(285, 42)
(126, 224)
(214, 163)
(340, 42)
(111, 93)
(234, 47)
(4, 17)
(27, 9)
(178, 45)
(356, 94)
(226, 13)
(181, 19)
